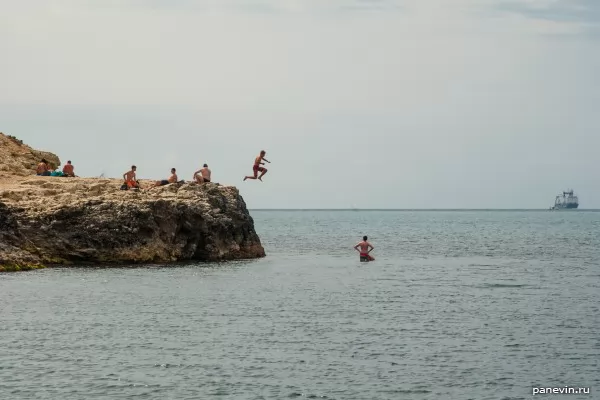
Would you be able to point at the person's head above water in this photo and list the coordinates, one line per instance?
(365, 238)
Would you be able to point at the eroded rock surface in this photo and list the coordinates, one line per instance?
(57, 220)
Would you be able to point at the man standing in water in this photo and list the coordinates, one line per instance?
(257, 166)
(364, 248)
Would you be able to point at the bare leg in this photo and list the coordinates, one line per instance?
(157, 183)
(251, 176)
(199, 179)
(264, 171)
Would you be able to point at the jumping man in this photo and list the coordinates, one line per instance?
(257, 166)
(365, 249)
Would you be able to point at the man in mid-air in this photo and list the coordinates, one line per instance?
(256, 168)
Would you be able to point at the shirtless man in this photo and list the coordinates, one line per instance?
(131, 178)
(204, 175)
(364, 248)
(43, 169)
(258, 161)
(69, 169)
(172, 179)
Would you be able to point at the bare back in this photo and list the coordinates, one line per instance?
(173, 178)
(69, 169)
(130, 176)
(364, 246)
(205, 173)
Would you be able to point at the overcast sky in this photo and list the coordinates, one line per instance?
(371, 104)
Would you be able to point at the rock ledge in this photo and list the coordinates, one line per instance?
(56, 220)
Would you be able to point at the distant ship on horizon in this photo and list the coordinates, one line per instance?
(568, 200)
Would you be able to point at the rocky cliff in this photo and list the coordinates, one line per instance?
(56, 220)
(16, 158)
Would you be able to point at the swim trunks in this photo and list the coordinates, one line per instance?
(366, 257)
(164, 182)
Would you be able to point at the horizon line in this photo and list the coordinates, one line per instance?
(417, 209)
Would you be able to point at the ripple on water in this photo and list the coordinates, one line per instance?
(457, 305)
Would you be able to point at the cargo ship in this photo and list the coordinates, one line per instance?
(567, 200)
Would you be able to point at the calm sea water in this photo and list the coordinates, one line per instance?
(458, 305)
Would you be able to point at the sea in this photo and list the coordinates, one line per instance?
(480, 304)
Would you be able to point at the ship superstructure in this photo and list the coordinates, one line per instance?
(567, 200)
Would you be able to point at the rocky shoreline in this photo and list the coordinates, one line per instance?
(47, 221)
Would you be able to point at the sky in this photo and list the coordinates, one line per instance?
(358, 103)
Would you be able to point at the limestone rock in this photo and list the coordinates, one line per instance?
(16, 158)
(57, 220)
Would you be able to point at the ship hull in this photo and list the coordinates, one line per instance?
(567, 207)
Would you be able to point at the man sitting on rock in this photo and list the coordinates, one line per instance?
(69, 169)
(202, 175)
(43, 169)
(172, 179)
(131, 179)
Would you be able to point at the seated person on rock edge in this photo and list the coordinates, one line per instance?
(172, 179)
(202, 175)
(43, 169)
(69, 169)
(131, 178)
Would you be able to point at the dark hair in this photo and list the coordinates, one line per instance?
(44, 161)
(364, 238)
(69, 162)
(206, 165)
(133, 166)
(262, 151)
(173, 169)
